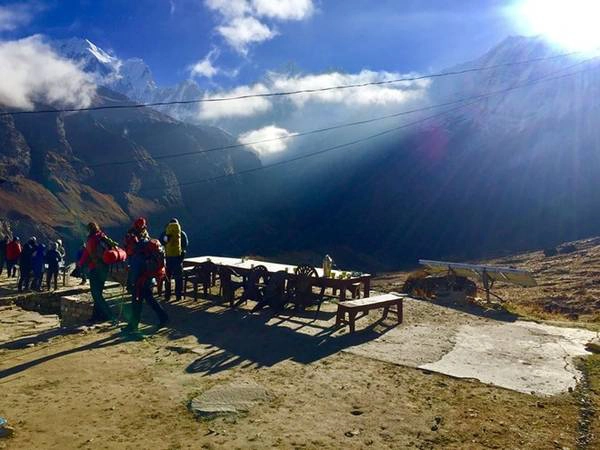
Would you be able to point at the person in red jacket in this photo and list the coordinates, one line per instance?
(91, 259)
(138, 232)
(147, 269)
(13, 253)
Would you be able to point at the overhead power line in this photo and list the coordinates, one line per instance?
(547, 77)
(289, 93)
(372, 136)
(312, 154)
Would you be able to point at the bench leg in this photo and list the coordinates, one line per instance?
(339, 317)
(386, 310)
(352, 320)
(400, 312)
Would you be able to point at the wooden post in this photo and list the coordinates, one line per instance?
(486, 284)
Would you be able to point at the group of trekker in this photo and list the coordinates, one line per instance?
(34, 259)
(150, 262)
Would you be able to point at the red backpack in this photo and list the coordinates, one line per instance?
(155, 259)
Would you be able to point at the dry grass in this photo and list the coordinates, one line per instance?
(568, 285)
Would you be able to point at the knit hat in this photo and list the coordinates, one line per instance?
(140, 223)
(93, 227)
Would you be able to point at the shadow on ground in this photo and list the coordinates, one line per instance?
(104, 342)
(238, 337)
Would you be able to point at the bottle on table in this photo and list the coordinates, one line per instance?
(327, 265)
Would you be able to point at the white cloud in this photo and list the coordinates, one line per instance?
(369, 96)
(240, 25)
(230, 9)
(31, 72)
(243, 31)
(15, 15)
(236, 108)
(205, 67)
(273, 136)
(284, 9)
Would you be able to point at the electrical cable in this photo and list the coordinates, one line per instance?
(340, 126)
(289, 93)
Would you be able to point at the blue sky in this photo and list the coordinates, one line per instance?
(347, 35)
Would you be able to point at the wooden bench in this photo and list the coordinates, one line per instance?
(364, 305)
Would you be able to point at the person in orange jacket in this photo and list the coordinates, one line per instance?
(91, 259)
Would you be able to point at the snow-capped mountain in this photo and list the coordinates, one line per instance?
(93, 59)
(135, 80)
(131, 77)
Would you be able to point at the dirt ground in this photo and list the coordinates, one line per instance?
(94, 389)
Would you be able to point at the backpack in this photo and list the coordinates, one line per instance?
(154, 254)
(173, 241)
(107, 251)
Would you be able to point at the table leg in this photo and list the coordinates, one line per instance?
(400, 311)
(386, 310)
(343, 294)
(367, 284)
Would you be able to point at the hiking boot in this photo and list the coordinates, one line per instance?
(163, 322)
(129, 329)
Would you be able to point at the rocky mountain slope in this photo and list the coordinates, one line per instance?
(57, 178)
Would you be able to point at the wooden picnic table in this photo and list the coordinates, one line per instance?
(243, 266)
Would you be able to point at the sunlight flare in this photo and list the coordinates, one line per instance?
(570, 24)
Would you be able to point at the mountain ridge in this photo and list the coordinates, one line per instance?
(131, 77)
(56, 161)
(510, 172)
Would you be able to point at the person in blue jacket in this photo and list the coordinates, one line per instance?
(37, 266)
(53, 260)
(26, 264)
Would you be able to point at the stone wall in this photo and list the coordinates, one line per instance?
(75, 311)
(44, 304)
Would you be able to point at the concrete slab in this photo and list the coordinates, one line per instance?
(522, 356)
(410, 345)
(518, 355)
(233, 398)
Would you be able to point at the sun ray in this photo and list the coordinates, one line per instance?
(570, 24)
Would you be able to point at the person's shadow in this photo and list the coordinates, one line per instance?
(101, 343)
